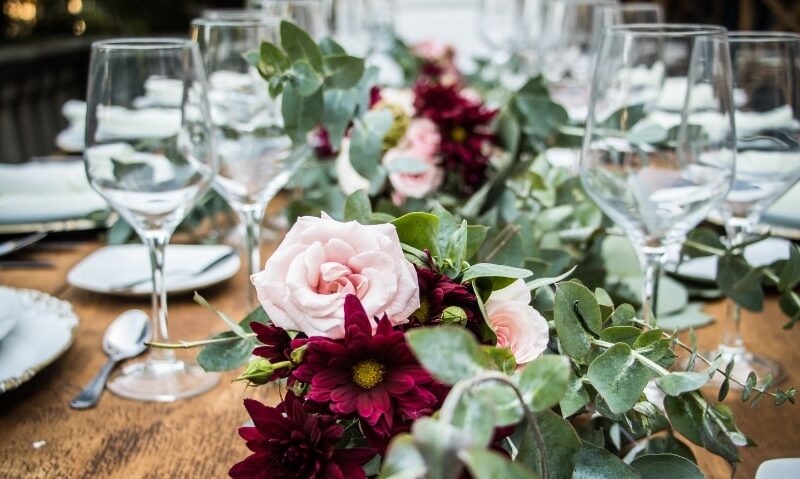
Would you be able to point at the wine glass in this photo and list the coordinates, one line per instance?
(659, 148)
(253, 148)
(766, 72)
(501, 25)
(311, 15)
(636, 12)
(570, 38)
(151, 165)
(361, 26)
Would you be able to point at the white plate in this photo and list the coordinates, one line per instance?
(786, 468)
(10, 309)
(45, 329)
(759, 254)
(108, 268)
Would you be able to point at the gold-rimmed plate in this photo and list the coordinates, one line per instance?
(45, 330)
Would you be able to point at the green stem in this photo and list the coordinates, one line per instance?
(195, 344)
(705, 360)
(705, 248)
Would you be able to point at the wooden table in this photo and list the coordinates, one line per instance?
(197, 437)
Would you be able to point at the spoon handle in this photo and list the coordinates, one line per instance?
(91, 393)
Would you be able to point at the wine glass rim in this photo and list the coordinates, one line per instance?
(143, 43)
(676, 30)
(245, 20)
(762, 37)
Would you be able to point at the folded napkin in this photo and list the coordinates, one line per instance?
(35, 192)
(785, 211)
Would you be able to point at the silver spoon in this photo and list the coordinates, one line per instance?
(124, 338)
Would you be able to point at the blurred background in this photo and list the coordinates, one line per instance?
(44, 48)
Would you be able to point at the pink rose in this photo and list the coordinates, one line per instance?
(421, 142)
(518, 326)
(434, 50)
(321, 261)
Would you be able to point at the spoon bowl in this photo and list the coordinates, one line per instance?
(124, 338)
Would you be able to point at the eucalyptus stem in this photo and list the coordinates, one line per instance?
(506, 234)
(705, 360)
(196, 344)
(449, 407)
(705, 248)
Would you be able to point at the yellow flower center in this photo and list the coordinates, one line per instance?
(368, 373)
(423, 312)
(459, 134)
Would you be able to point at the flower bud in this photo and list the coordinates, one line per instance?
(257, 372)
(297, 354)
(454, 315)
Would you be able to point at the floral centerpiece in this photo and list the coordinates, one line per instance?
(448, 342)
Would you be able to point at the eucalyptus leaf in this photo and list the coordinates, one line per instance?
(328, 46)
(596, 463)
(439, 444)
(619, 377)
(305, 78)
(679, 382)
(358, 208)
(449, 353)
(419, 230)
(343, 71)
(298, 45)
(666, 466)
(575, 397)
(483, 464)
(501, 275)
(561, 445)
(577, 317)
(544, 381)
(403, 459)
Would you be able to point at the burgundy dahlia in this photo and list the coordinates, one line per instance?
(296, 445)
(464, 125)
(276, 346)
(373, 377)
(437, 292)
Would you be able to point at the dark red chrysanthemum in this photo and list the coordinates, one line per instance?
(464, 126)
(276, 346)
(288, 442)
(437, 292)
(375, 378)
(321, 142)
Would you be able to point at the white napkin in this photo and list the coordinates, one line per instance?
(35, 192)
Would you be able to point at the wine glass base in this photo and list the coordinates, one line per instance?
(162, 381)
(744, 362)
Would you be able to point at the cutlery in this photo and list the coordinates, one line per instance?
(133, 284)
(124, 339)
(17, 244)
(27, 264)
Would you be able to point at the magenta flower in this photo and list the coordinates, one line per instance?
(276, 346)
(296, 445)
(375, 378)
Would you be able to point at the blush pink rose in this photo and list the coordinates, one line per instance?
(421, 142)
(321, 261)
(518, 326)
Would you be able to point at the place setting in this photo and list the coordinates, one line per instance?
(404, 239)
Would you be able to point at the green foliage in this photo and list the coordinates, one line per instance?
(577, 318)
(449, 353)
(619, 377)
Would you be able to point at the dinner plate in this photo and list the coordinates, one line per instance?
(109, 269)
(45, 329)
(784, 468)
(10, 307)
(704, 270)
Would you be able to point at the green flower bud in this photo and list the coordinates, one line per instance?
(454, 315)
(399, 126)
(257, 372)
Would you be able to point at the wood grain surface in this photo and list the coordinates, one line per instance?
(197, 437)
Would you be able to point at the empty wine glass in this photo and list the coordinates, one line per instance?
(151, 164)
(311, 15)
(253, 148)
(636, 12)
(766, 72)
(361, 26)
(501, 25)
(659, 148)
(570, 37)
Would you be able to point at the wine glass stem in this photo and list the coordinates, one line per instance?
(651, 260)
(736, 230)
(156, 244)
(252, 216)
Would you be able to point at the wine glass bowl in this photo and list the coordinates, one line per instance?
(659, 148)
(150, 154)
